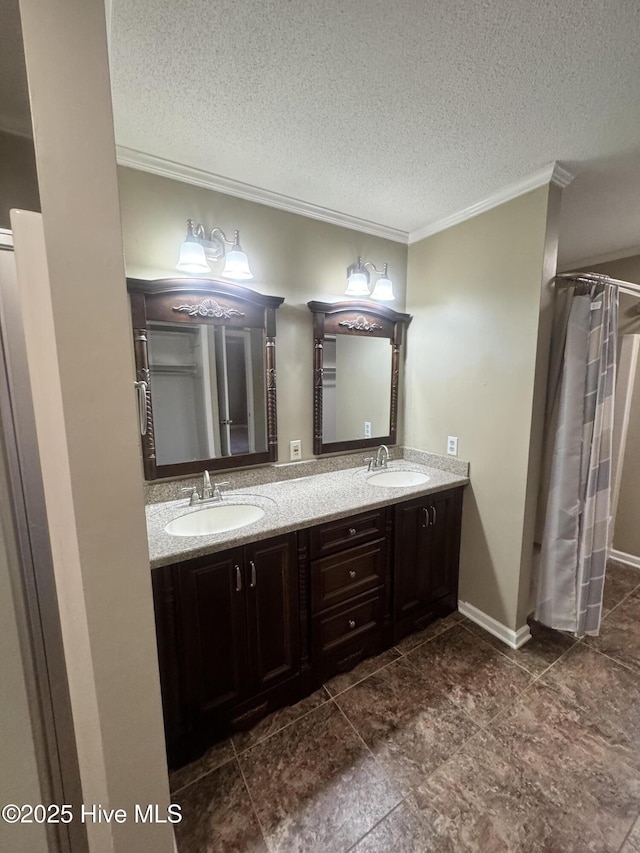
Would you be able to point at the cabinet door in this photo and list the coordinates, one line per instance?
(426, 559)
(411, 569)
(213, 627)
(272, 605)
(442, 553)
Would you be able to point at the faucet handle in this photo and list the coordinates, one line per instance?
(195, 497)
(370, 460)
(216, 493)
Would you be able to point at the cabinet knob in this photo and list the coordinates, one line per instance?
(351, 624)
(352, 574)
(352, 531)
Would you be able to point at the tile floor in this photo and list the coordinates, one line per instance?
(449, 742)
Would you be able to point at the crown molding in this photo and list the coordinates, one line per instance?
(168, 169)
(570, 266)
(554, 173)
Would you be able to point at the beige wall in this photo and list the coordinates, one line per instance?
(290, 255)
(476, 294)
(626, 536)
(18, 179)
(80, 367)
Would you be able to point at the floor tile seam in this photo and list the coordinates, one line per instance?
(382, 770)
(428, 640)
(282, 728)
(626, 838)
(355, 683)
(609, 657)
(622, 601)
(510, 704)
(375, 826)
(441, 690)
(203, 774)
(254, 809)
(497, 649)
(559, 658)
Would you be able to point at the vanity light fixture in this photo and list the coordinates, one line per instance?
(358, 279)
(198, 249)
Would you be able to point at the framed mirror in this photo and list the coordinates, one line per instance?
(355, 374)
(205, 374)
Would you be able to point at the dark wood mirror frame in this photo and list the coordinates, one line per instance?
(364, 319)
(212, 302)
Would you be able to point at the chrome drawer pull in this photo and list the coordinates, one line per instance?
(351, 624)
(435, 515)
(352, 531)
(352, 574)
(253, 574)
(238, 579)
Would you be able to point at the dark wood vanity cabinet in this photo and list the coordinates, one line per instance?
(247, 630)
(426, 556)
(350, 570)
(228, 634)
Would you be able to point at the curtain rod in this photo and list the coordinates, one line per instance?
(566, 279)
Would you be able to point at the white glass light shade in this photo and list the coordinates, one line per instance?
(357, 285)
(192, 258)
(236, 265)
(383, 291)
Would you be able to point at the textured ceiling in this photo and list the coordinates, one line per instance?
(399, 113)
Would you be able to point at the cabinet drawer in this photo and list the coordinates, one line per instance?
(347, 574)
(346, 532)
(348, 623)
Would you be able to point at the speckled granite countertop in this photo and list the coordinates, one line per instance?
(289, 505)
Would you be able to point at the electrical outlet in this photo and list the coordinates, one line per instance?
(295, 450)
(367, 429)
(452, 445)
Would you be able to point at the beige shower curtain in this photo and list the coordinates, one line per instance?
(571, 570)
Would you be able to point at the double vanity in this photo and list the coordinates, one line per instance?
(268, 585)
(335, 568)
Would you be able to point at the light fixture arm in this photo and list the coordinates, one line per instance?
(223, 236)
(370, 264)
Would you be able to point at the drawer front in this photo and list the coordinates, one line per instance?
(346, 532)
(347, 624)
(347, 574)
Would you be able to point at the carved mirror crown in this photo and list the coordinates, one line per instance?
(205, 370)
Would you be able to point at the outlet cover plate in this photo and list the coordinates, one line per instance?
(295, 450)
(452, 445)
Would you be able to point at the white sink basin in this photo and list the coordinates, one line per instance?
(214, 519)
(397, 478)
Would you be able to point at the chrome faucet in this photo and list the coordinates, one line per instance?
(209, 492)
(382, 456)
(380, 460)
(206, 486)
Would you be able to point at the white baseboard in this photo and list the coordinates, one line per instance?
(627, 559)
(513, 639)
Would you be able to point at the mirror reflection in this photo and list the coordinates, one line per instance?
(208, 389)
(356, 400)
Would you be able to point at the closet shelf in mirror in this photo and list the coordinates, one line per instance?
(206, 351)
